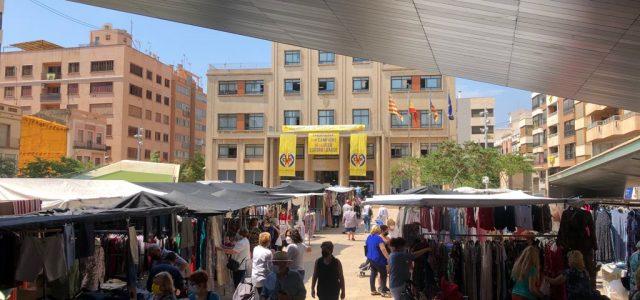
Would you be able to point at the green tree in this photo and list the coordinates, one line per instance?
(192, 169)
(44, 168)
(7, 167)
(155, 156)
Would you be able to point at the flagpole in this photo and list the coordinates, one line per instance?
(410, 118)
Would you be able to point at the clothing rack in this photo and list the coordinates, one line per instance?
(493, 235)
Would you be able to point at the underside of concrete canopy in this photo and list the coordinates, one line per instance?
(604, 175)
(582, 49)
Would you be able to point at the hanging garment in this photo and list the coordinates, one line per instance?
(603, 236)
(486, 281)
(445, 219)
(523, 217)
(437, 215)
(85, 240)
(39, 253)
(633, 230)
(577, 231)
(471, 217)
(9, 254)
(93, 268)
(619, 233)
(69, 244)
(425, 218)
(504, 217)
(186, 233)
(470, 270)
(541, 215)
(554, 266)
(485, 218)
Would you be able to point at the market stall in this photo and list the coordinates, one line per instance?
(309, 207)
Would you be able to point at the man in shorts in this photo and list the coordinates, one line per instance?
(350, 220)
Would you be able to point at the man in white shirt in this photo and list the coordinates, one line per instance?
(383, 214)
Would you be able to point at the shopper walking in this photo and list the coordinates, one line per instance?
(367, 213)
(198, 289)
(262, 265)
(350, 221)
(282, 282)
(400, 266)
(274, 233)
(296, 250)
(525, 274)
(378, 257)
(383, 214)
(328, 275)
(240, 254)
(336, 211)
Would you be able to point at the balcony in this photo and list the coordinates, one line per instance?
(89, 145)
(552, 139)
(590, 108)
(49, 97)
(614, 126)
(552, 118)
(51, 76)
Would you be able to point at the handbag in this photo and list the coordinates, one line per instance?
(244, 291)
(233, 264)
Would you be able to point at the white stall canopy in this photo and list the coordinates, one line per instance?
(469, 199)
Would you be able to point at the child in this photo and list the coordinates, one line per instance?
(576, 278)
(400, 266)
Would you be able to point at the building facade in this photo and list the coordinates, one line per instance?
(471, 120)
(85, 136)
(10, 117)
(189, 116)
(131, 89)
(247, 109)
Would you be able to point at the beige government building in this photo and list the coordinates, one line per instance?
(247, 108)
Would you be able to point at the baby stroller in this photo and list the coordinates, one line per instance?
(365, 266)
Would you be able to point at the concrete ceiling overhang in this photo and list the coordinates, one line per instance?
(582, 49)
(606, 174)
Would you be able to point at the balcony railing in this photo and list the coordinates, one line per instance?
(89, 145)
(552, 135)
(50, 97)
(51, 76)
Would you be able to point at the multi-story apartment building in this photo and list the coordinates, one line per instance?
(247, 109)
(86, 133)
(109, 77)
(10, 117)
(189, 116)
(471, 120)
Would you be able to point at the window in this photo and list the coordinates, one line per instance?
(371, 151)
(25, 91)
(425, 149)
(81, 135)
(300, 151)
(109, 130)
(361, 116)
(135, 90)
(201, 127)
(400, 83)
(10, 71)
(359, 60)
(253, 121)
(167, 83)
(147, 134)
(227, 121)
(227, 151)
(167, 101)
(400, 150)
(158, 79)
(254, 151)
(570, 128)
(132, 131)
(101, 87)
(292, 86)
(102, 66)
(570, 151)
(326, 85)
(158, 136)
(326, 58)
(567, 106)
(227, 88)
(9, 92)
(292, 57)
(135, 111)
(147, 154)
(165, 119)
(74, 67)
(360, 84)
(165, 156)
(158, 117)
(183, 90)
(430, 82)
(98, 138)
(182, 122)
(480, 129)
(397, 123)
(539, 120)
(326, 117)
(158, 98)
(132, 153)
(107, 37)
(147, 114)
(72, 89)
(254, 87)
(291, 117)
(201, 114)
(149, 95)
(72, 106)
(427, 120)
(253, 177)
(227, 175)
(537, 101)
(477, 113)
(165, 137)
(149, 75)
(27, 71)
(135, 70)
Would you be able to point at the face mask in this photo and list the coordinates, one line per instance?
(289, 240)
(155, 289)
(326, 253)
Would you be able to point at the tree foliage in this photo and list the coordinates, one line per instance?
(155, 156)
(7, 167)
(192, 169)
(458, 165)
(44, 168)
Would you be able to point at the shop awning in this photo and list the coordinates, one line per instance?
(461, 200)
(340, 189)
(206, 186)
(428, 190)
(298, 187)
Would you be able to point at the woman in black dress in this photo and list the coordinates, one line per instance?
(328, 275)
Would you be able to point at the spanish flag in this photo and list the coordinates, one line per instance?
(415, 120)
(393, 109)
(434, 112)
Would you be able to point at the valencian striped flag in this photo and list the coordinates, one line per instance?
(434, 112)
(393, 109)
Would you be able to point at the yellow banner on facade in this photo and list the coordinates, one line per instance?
(358, 155)
(287, 155)
(324, 143)
(322, 128)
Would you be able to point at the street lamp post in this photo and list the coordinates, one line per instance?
(139, 137)
(485, 129)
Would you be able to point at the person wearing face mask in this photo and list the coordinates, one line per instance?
(162, 287)
(296, 250)
(167, 266)
(239, 253)
(327, 275)
(393, 231)
(283, 283)
(198, 287)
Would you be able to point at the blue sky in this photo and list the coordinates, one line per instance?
(24, 20)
